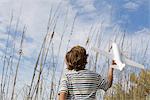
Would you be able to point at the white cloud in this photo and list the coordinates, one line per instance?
(135, 4)
(131, 6)
(144, 31)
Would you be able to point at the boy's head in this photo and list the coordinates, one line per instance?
(76, 58)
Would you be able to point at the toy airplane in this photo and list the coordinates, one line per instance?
(120, 60)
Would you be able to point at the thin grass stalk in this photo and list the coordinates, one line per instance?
(67, 49)
(51, 38)
(88, 38)
(41, 66)
(53, 18)
(71, 31)
(39, 76)
(98, 40)
(100, 37)
(49, 20)
(35, 68)
(95, 30)
(145, 51)
(64, 28)
(138, 81)
(131, 58)
(144, 56)
(5, 55)
(6, 75)
(12, 55)
(44, 60)
(122, 73)
(122, 78)
(41, 86)
(53, 76)
(18, 63)
(45, 54)
(36, 65)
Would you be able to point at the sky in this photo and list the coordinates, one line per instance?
(131, 16)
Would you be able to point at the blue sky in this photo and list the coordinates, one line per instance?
(133, 16)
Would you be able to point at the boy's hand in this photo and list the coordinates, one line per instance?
(113, 62)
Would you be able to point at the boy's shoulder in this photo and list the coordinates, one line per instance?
(85, 71)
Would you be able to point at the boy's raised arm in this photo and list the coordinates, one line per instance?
(62, 96)
(110, 74)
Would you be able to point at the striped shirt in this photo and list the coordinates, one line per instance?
(82, 85)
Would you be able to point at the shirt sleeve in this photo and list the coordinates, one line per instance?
(103, 83)
(63, 85)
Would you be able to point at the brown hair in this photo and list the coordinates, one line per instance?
(76, 58)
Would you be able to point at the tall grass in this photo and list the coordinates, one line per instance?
(18, 63)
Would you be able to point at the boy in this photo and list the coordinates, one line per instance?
(79, 83)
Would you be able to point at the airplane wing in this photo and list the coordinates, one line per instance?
(110, 56)
(132, 63)
(125, 59)
(104, 53)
